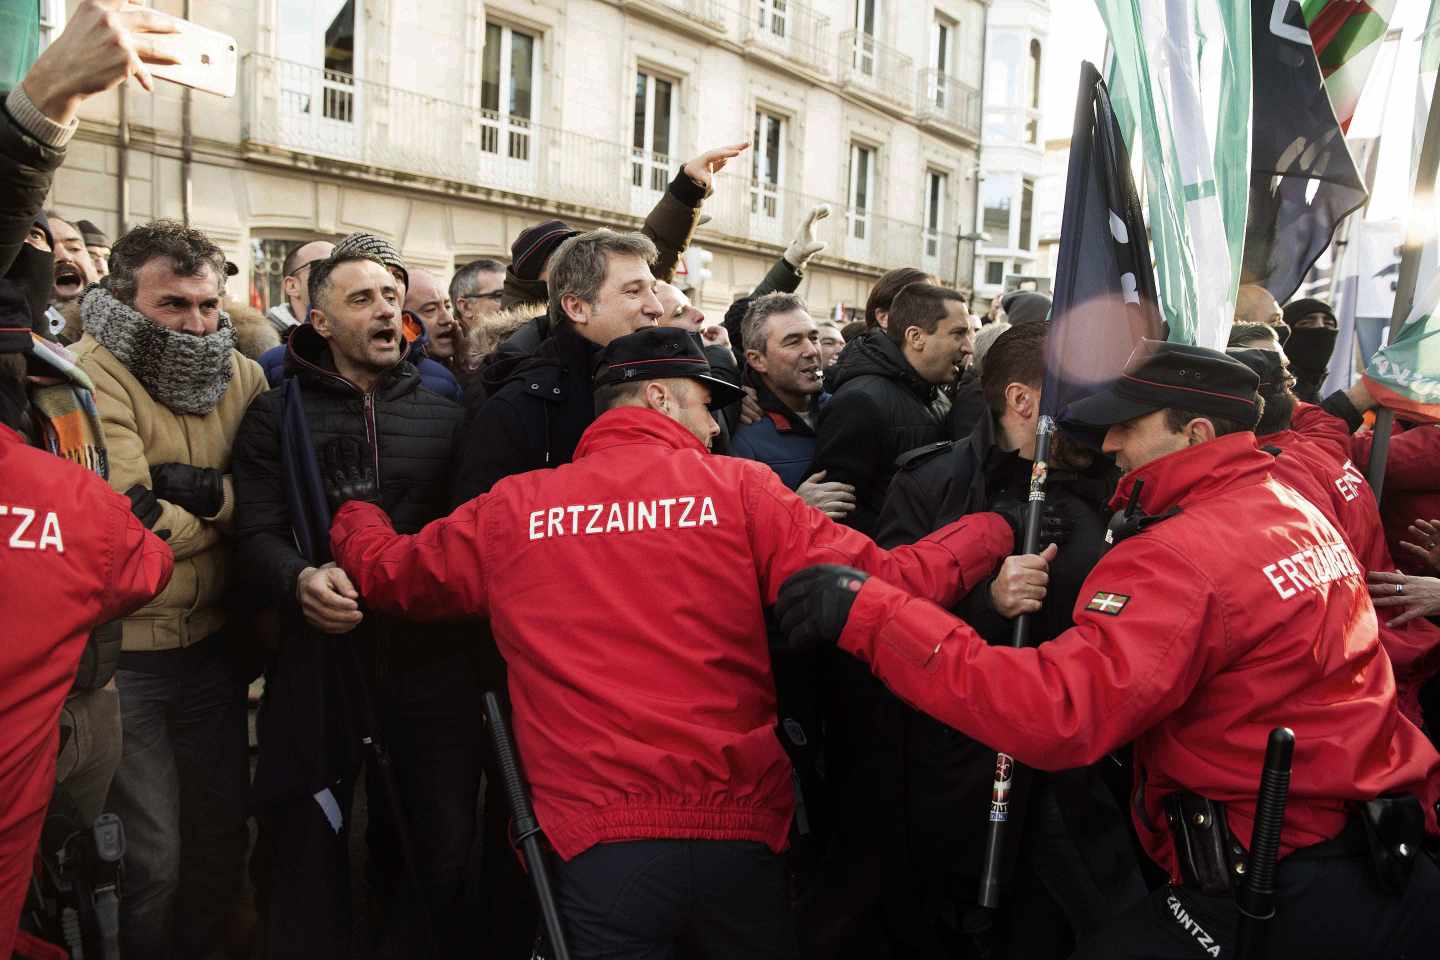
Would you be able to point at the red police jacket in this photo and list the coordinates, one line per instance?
(72, 556)
(1193, 638)
(1336, 485)
(626, 591)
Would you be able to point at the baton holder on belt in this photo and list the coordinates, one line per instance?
(527, 828)
(1256, 896)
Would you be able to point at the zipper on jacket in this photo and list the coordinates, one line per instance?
(372, 434)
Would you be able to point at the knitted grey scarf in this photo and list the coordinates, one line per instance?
(186, 373)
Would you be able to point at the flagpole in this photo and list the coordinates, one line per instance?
(1006, 768)
(1419, 229)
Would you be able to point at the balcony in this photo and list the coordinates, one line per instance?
(326, 116)
(941, 100)
(869, 66)
(709, 13)
(791, 32)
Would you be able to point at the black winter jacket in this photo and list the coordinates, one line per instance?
(538, 406)
(26, 169)
(879, 408)
(411, 430)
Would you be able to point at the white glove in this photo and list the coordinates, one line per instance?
(804, 247)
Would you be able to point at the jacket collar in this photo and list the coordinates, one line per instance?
(785, 419)
(307, 355)
(1196, 473)
(624, 426)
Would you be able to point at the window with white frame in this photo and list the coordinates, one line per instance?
(942, 55)
(338, 91)
(995, 272)
(1027, 212)
(767, 165)
(997, 196)
(861, 193)
(935, 184)
(1032, 126)
(867, 16)
(772, 16)
(509, 90)
(653, 136)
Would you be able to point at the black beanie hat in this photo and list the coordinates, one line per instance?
(535, 244)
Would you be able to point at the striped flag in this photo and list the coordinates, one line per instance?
(1182, 71)
(1347, 35)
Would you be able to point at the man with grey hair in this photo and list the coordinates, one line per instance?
(476, 289)
(171, 391)
(783, 367)
(601, 287)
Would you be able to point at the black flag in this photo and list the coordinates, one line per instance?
(1105, 299)
(1303, 181)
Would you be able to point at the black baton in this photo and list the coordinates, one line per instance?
(527, 828)
(1256, 897)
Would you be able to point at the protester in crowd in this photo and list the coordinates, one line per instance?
(97, 245)
(882, 295)
(476, 290)
(1254, 304)
(254, 332)
(601, 287)
(72, 530)
(171, 391)
(426, 299)
(294, 285)
(891, 744)
(74, 268)
(435, 376)
(995, 313)
(1025, 306)
(668, 823)
(983, 341)
(887, 397)
(832, 341)
(782, 359)
(853, 330)
(347, 378)
(1240, 615)
(1313, 330)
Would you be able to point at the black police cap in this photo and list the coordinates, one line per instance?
(661, 353)
(1175, 375)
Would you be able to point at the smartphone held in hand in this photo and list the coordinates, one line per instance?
(208, 59)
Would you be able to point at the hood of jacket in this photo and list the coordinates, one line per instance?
(624, 426)
(1195, 473)
(307, 355)
(561, 352)
(875, 354)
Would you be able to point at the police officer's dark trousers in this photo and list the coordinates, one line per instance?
(641, 899)
(1330, 904)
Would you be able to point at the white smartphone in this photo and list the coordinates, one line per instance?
(209, 60)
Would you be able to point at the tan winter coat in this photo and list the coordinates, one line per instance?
(139, 433)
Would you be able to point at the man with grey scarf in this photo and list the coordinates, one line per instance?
(171, 391)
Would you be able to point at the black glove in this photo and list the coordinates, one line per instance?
(814, 604)
(146, 509)
(1055, 524)
(349, 473)
(201, 490)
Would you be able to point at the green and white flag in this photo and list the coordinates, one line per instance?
(19, 40)
(1405, 375)
(1181, 70)
(1347, 35)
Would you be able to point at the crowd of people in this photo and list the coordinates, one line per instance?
(748, 582)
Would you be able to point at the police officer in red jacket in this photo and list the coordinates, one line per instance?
(72, 556)
(1228, 606)
(626, 591)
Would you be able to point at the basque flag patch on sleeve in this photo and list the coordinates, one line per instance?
(1108, 603)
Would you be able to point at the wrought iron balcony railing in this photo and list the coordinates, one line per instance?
(940, 98)
(868, 65)
(792, 31)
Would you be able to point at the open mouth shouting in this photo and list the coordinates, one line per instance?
(385, 339)
(69, 281)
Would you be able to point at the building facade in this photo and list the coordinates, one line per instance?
(1012, 154)
(451, 125)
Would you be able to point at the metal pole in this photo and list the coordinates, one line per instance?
(1419, 229)
(1005, 766)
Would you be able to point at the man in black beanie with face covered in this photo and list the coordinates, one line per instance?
(1312, 340)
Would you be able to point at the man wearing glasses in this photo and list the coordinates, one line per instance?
(297, 265)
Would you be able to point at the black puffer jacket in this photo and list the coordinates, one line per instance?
(412, 430)
(880, 408)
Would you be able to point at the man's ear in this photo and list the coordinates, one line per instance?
(575, 308)
(755, 360)
(657, 397)
(915, 338)
(1022, 398)
(1199, 430)
(320, 322)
